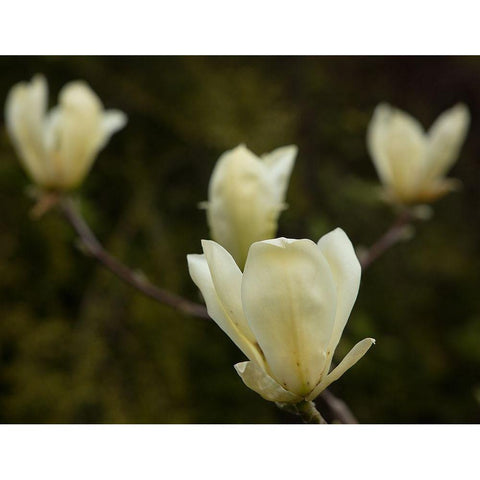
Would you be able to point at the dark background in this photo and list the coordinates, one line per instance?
(76, 345)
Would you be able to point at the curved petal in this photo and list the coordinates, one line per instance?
(227, 279)
(350, 359)
(25, 110)
(289, 299)
(255, 378)
(82, 129)
(279, 164)
(376, 136)
(221, 313)
(76, 132)
(398, 146)
(242, 208)
(113, 120)
(445, 138)
(338, 250)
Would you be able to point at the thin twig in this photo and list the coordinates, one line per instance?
(94, 248)
(392, 236)
(338, 408)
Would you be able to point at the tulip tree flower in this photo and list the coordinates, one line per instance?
(57, 148)
(246, 195)
(410, 162)
(286, 312)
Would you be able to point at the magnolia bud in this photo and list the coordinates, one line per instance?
(245, 197)
(410, 162)
(57, 148)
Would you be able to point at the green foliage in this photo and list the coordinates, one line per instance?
(76, 345)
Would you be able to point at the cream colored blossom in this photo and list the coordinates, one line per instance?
(245, 197)
(286, 312)
(410, 162)
(57, 148)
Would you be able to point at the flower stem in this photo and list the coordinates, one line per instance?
(307, 410)
(392, 236)
(309, 413)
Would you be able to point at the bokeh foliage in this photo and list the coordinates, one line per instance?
(76, 345)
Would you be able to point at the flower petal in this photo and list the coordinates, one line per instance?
(222, 314)
(80, 131)
(398, 146)
(338, 250)
(227, 280)
(113, 120)
(255, 378)
(75, 132)
(350, 359)
(280, 163)
(289, 299)
(25, 111)
(445, 138)
(376, 135)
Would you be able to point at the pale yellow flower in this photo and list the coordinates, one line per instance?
(286, 312)
(57, 148)
(410, 162)
(245, 197)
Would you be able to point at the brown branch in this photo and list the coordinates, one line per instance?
(95, 249)
(392, 236)
(338, 408)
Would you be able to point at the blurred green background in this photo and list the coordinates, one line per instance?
(77, 345)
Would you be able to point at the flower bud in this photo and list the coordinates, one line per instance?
(410, 162)
(286, 312)
(57, 148)
(245, 197)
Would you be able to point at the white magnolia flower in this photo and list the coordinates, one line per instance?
(57, 148)
(410, 162)
(245, 197)
(286, 312)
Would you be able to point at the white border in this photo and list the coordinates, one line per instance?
(253, 27)
(238, 452)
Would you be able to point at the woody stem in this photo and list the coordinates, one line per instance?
(94, 248)
(392, 236)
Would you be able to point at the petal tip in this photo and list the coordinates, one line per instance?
(240, 367)
(39, 78)
(291, 149)
(192, 258)
(121, 118)
(340, 231)
(209, 247)
(206, 243)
